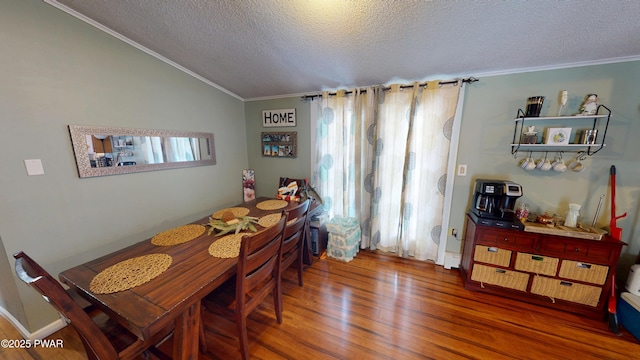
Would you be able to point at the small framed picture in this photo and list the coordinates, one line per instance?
(279, 144)
(558, 136)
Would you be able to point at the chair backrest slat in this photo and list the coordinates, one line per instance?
(294, 232)
(259, 265)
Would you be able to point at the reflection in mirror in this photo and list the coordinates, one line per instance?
(104, 151)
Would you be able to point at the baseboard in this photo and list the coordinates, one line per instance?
(38, 334)
(451, 260)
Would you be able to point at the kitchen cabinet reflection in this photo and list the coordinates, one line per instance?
(104, 151)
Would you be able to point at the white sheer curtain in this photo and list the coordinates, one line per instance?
(151, 148)
(344, 153)
(178, 149)
(382, 157)
(415, 132)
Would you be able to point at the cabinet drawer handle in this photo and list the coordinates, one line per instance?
(492, 249)
(500, 271)
(537, 258)
(506, 239)
(566, 283)
(576, 250)
(584, 266)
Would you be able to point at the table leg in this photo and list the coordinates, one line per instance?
(185, 337)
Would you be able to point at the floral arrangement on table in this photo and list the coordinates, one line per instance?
(229, 222)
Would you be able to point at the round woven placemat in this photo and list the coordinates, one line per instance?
(271, 204)
(237, 212)
(227, 246)
(178, 235)
(130, 273)
(269, 220)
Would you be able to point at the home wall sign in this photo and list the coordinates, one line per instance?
(279, 118)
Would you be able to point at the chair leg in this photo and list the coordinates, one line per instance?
(241, 320)
(277, 299)
(299, 265)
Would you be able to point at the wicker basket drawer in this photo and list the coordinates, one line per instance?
(542, 265)
(492, 255)
(500, 277)
(565, 290)
(575, 270)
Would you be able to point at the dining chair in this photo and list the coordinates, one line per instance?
(294, 236)
(257, 276)
(102, 337)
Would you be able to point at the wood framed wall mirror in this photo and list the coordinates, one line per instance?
(102, 151)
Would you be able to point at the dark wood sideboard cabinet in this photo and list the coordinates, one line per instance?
(565, 273)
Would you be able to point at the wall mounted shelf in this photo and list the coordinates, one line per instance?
(599, 122)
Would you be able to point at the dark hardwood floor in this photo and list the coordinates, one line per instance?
(382, 307)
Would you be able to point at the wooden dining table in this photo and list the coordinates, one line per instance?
(173, 297)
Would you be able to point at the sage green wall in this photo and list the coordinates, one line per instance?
(487, 130)
(56, 70)
(268, 170)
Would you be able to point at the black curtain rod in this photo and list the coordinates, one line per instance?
(469, 80)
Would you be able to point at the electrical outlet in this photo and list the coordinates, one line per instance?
(462, 170)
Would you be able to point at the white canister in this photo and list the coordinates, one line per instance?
(633, 282)
(572, 216)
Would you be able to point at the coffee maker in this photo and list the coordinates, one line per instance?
(494, 202)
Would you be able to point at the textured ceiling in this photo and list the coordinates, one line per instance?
(269, 48)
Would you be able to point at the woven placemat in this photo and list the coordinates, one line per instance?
(227, 246)
(130, 273)
(237, 212)
(272, 219)
(269, 220)
(271, 204)
(178, 235)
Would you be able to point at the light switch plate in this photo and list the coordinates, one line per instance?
(462, 170)
(34, 167)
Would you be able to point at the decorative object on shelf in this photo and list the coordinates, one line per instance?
(587, 136)
(558, 136)
(534, 106)
(564, 95)
(590, 105)
(530, 136)
(279, 144)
